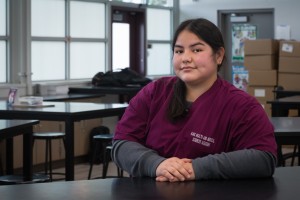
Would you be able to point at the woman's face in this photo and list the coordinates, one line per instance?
(194, 60)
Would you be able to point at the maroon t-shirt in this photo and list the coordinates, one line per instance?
(223, 119)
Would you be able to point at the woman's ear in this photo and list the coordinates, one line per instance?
(220, 55)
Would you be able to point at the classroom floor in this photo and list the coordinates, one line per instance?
(82, 171)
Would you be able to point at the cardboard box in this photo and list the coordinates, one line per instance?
(289, 64)
(261, 47)
(289, 48)
(289, 81)
(261, 93)
(263, 77)
(261, 62)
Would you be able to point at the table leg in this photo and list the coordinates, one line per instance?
(9, 156)
(280, 161)
(69, 162)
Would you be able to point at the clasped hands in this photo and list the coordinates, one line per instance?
(175, 169)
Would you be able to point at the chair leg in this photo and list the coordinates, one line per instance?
(46, 157)
(120, 172)
(105, 161)
(1, 167)
(281, 161)
(294, 154)
(50, 153)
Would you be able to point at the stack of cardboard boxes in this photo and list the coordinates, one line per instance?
(289, 65)
(261, 61)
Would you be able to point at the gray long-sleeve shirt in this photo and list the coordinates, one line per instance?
(140, 161)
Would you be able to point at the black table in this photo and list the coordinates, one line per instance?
(69, 97)
(280, 105)
(286, 93)
(69, 112)
(10, 129)
(125, 93)
(284, 185)
(287, 132)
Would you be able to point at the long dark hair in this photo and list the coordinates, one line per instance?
(209, 33)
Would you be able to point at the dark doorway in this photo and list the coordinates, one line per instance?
(261, 19)
(128, 38)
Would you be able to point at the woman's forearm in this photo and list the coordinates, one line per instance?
(248, 163)
(135, 158)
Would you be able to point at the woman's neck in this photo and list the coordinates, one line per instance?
(195, 91)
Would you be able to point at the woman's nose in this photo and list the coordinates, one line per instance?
(187, 58)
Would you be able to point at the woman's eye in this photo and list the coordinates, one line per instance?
(178, 51)
(196, 50)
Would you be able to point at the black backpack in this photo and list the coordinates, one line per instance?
(123, 78)
(99, 154)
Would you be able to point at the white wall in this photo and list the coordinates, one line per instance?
(286, 12)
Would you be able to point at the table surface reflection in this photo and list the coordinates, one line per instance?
(285, 126)
(63, 107)
(283, 185)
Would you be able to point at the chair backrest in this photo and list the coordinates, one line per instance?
(277, 95)
(99, 130)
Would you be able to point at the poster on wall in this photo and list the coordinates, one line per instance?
(240, 33)
(240, 77)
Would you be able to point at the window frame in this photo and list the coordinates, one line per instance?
(68, 39)
(19, 42)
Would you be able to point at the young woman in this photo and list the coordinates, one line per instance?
(195, 125)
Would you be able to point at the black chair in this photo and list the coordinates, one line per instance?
(282, 112)
(292, 155)
(102, 141)
(106, 163)
(48, 137)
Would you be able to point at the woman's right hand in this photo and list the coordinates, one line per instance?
(175, 169)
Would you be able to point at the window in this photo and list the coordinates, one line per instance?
(132, 1)
(159, 59)
(3, 42)
(48, 46)
(121, 46)
(168, 3)
(159, 42)
(48, 60)
(67, 45)
(87, 46)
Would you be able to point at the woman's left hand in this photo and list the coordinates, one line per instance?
(174, 170)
